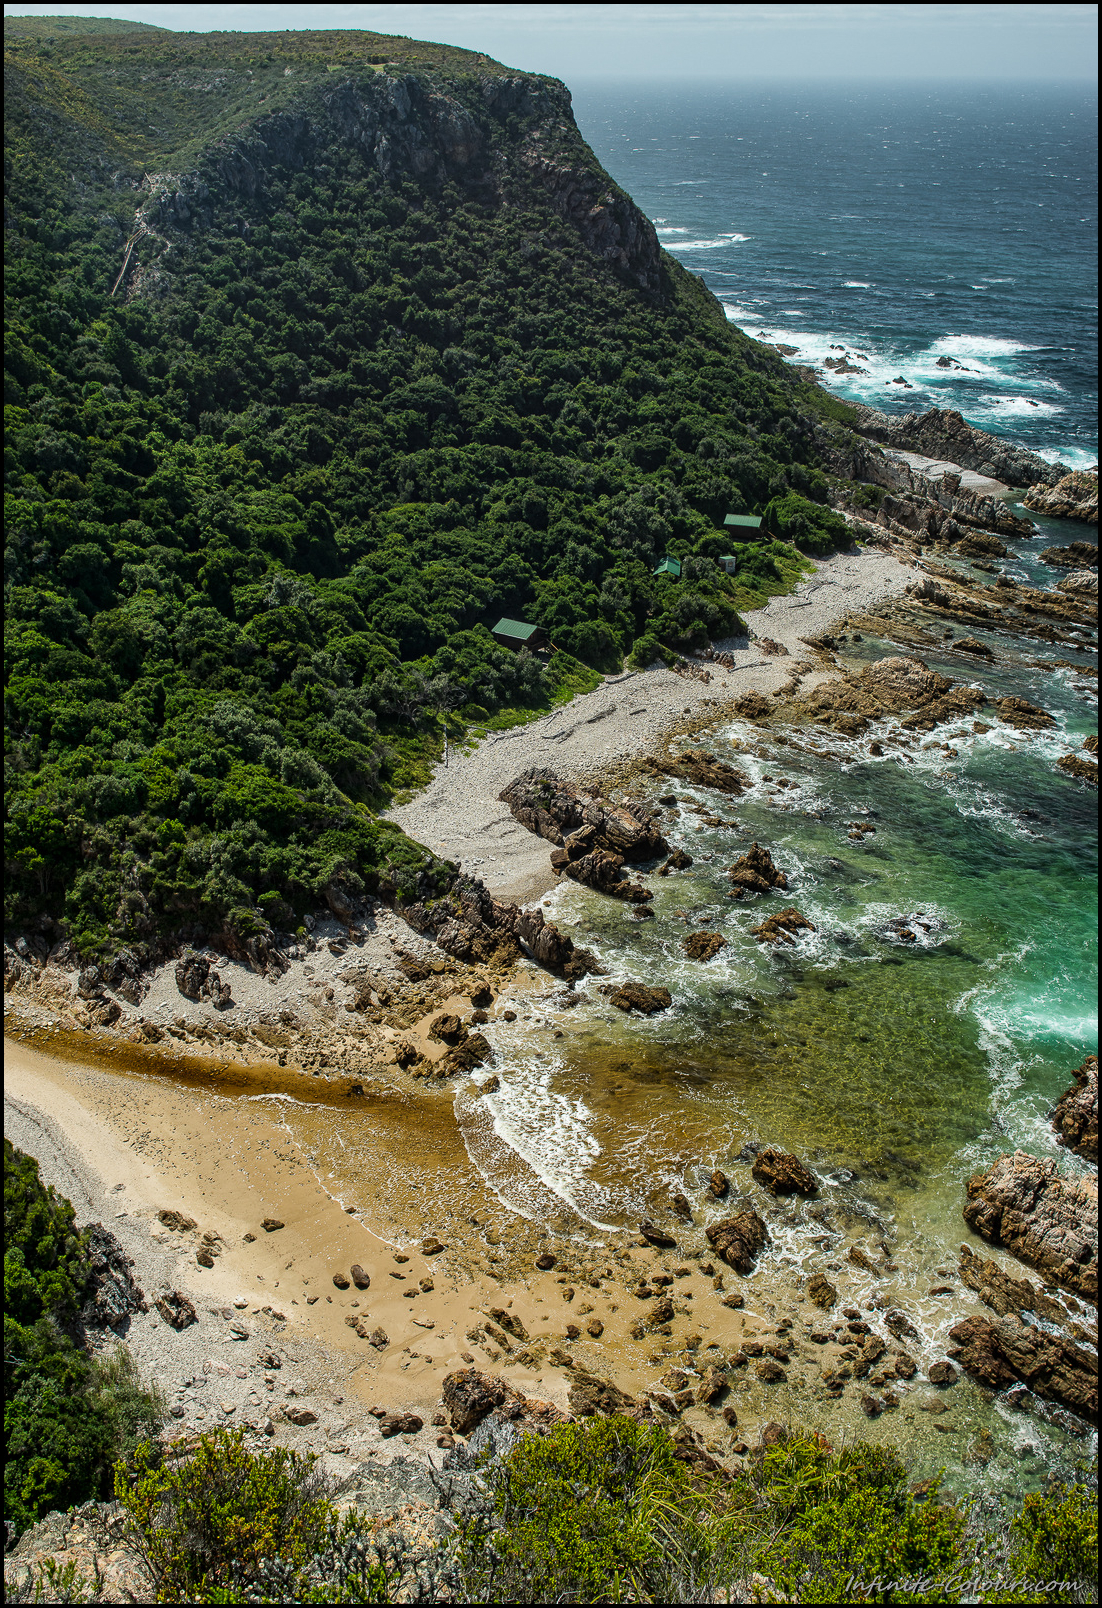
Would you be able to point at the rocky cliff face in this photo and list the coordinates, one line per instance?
(516, 130)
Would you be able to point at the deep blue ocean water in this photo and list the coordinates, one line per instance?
(903, 223)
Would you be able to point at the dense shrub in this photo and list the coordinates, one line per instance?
(347, 422)
(809, 525)
(67, 1415)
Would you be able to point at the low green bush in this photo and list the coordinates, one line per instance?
(807, 524)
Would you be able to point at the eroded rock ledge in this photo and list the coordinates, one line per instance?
(469, 924)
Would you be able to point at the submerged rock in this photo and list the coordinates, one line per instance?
(1076, 1115)
(1050, 1222)
(783, 1174)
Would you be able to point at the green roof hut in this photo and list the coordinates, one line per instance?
(743, 527)
(519, 634)
(669, 566)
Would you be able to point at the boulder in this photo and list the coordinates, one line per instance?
(738, 1240)
(1050, 1222)
(270, 1224)
(191, 974)
(1005, 1351)
(718, 1184)
(591, 1397)
(782, 927)
(704, 945)
(678, 860)
(175, 1309)
(1023, 715)
(974, 646)
(341, 1281)
(447, 1028)
(471, 1396)
(556, 810)
(942, 1373)
(822, 1292)
(599, 869)
(638, 997)
(400, 1424)
(783, 1174)
(179, 1222)
(655, 1236)
(340, 903)
(111, 1293)
(360, 1277)
(755, 872)
(1075, 1118)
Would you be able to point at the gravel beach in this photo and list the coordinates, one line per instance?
(459, 816)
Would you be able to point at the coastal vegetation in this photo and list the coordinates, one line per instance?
(598, 1510)
(68, 1415)
(289, 426)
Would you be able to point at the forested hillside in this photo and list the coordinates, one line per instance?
(323, 352)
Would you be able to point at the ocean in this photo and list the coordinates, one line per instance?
(908, 229)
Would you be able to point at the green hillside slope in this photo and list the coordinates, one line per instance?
(324, 351)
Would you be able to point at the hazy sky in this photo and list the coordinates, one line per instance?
(730, 42)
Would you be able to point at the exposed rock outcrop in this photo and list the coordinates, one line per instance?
(470, 1396)
(469, 924)
(891, 686)
(704, 945)
(738, 1240)
(1081, 583)
(702, 770)
(597, 868)
(1047, 1221)
(783, 1174)
(557, 810)
(1076, 1115)
(1023, 715)
(1080, 555)
(944, 435)
(1084, 770)
(1002, 1293)
(112, 1293)
(754, 872)
(1073, 497)
(1004, 1351)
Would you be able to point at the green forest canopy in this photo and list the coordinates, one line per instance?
(264, 501)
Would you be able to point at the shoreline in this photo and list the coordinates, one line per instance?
(148, 1130)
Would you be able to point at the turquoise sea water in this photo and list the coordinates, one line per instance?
(904, 222)
(895, 1069)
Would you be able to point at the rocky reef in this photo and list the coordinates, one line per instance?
(1076, 1115)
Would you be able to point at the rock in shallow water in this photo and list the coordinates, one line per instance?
(737, 1240)
(998, 1352)
(783, 1174)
